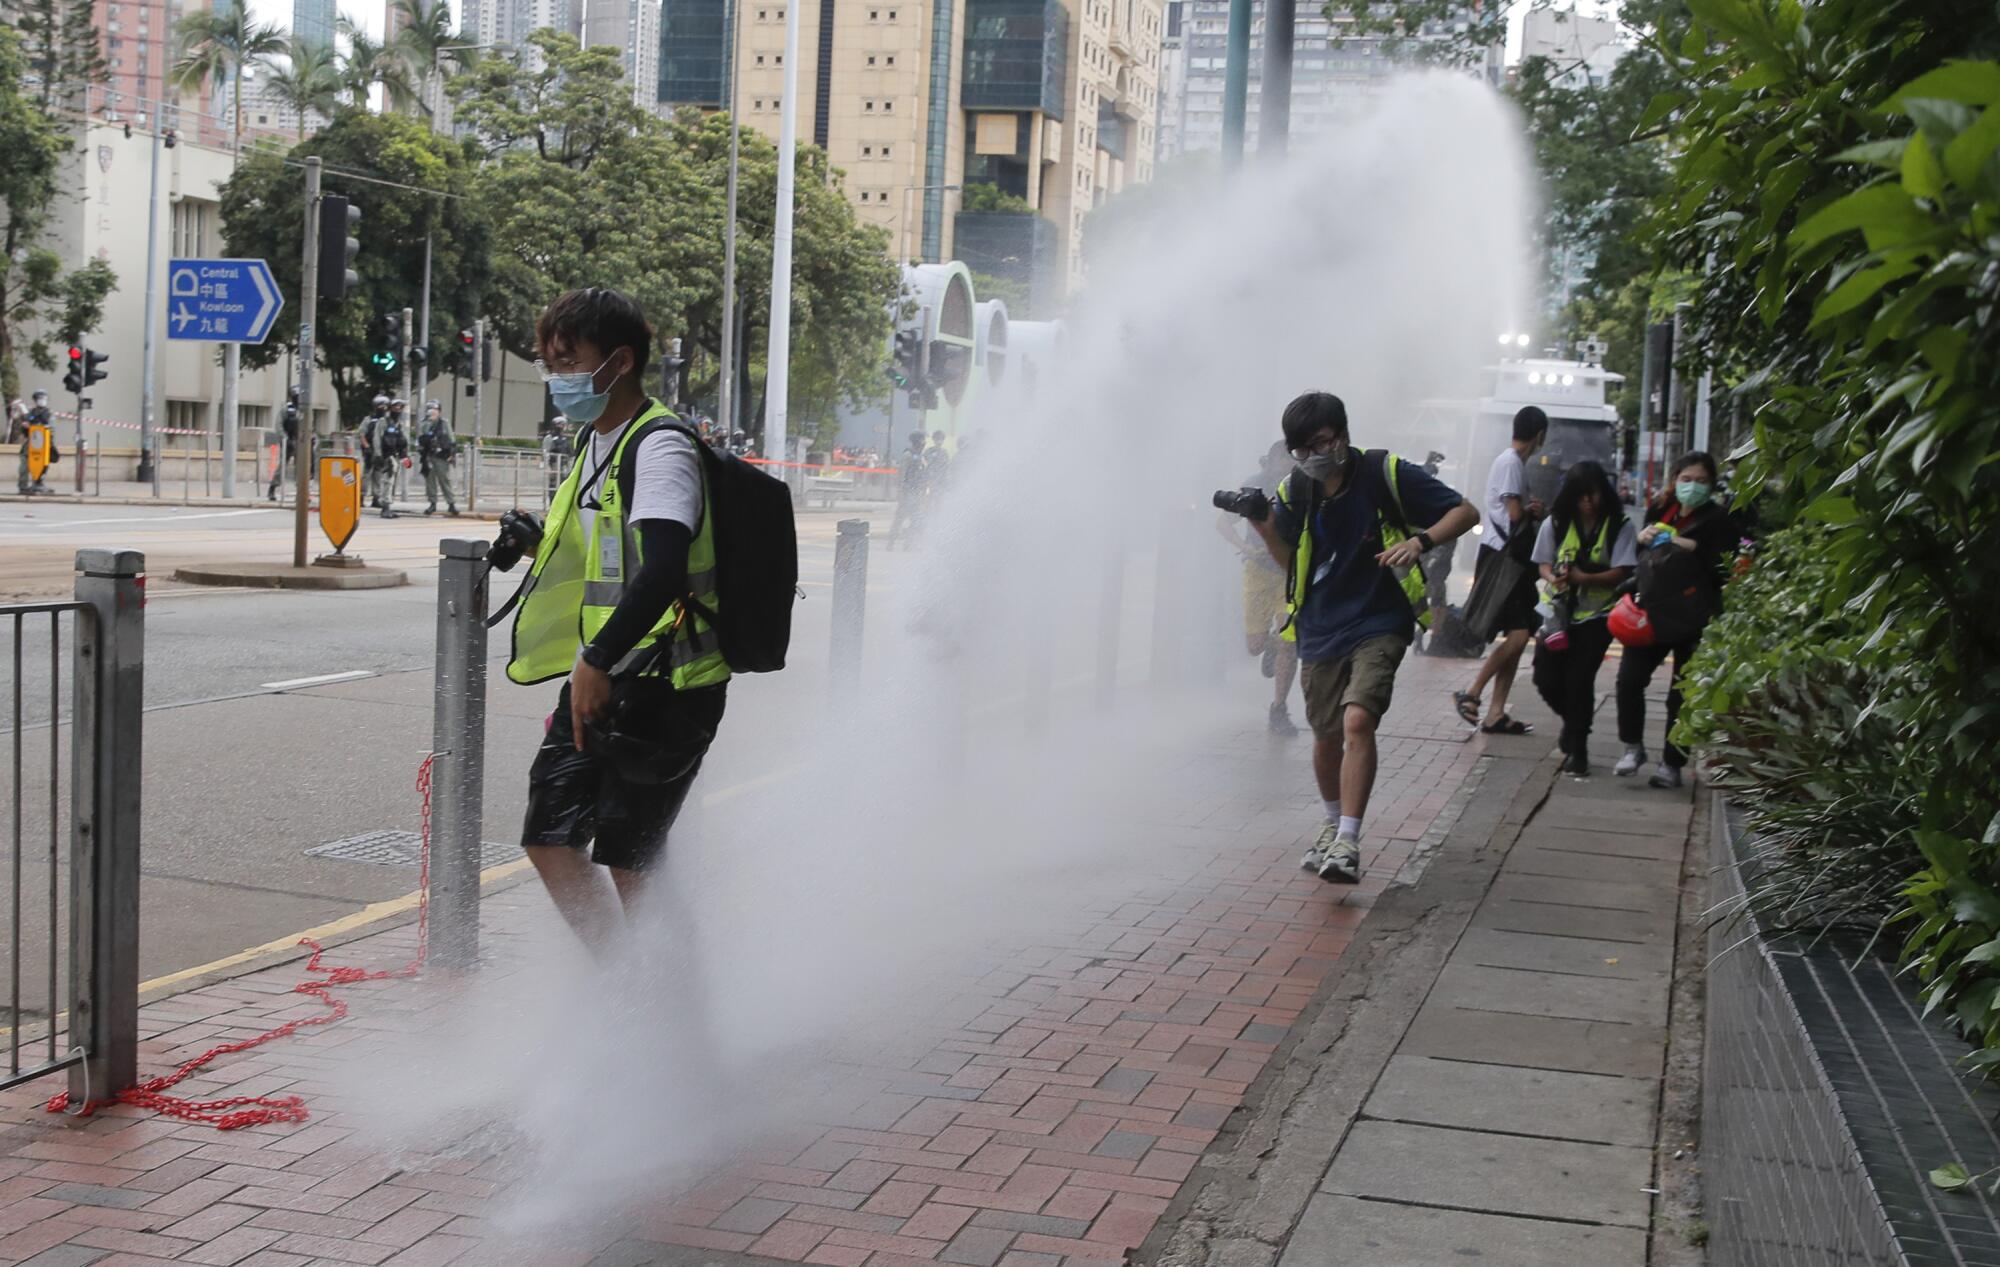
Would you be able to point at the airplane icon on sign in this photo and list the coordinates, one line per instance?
(181, 318)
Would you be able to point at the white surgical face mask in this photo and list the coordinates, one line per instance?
(576, 396)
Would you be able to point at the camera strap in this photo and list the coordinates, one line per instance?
(520, 592)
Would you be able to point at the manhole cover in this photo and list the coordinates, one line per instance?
(400, 849)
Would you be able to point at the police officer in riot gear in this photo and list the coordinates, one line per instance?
(291, 428)
(374, 463)
(436, 450)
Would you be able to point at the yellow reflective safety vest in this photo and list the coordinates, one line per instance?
(576, 583)
(1591, 601)
(1410, 579)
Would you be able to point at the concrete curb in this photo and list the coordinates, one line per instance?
(286, 577)
(1240, 1205)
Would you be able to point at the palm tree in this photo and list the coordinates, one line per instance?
(369, 62)
(307, 79)
(426, 41)
(215, 44)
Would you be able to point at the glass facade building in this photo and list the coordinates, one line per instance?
(694, 53)
(1015, 55)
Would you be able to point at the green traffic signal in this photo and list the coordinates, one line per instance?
(385, 362)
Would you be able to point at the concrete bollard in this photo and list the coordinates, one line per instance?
(458, 738)
(850, 604)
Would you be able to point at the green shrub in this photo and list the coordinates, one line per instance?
(1837, 187)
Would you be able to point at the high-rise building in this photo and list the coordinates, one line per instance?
(512, 21)
(1581, 47)
(313, 21)
(137, 37)
(633, 28)
(1332, 70)
(918, 101)
(1173, 77)
(694, 53)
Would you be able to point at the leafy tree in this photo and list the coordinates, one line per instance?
(307, 79)
(425, 38)
(569, 103)
(1844, 178)
(33, 286)
(370, 62)
(59, 41)
(991, 198)
(263, 207)
(583, 188)
(1010, 290)
(216, 45)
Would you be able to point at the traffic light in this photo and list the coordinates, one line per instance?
(73, 381)
(339, 243)
(93, 367)
(486, 360)
(388, 357)
(467, 341)
(903, 365)
(420, 356)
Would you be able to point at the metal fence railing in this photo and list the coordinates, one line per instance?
(72, 872)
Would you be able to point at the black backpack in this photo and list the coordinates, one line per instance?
(756, 554)
(1677, 590)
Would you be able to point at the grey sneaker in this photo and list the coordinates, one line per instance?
(1629, 764)
(1665, 775)
(1316, 856)
(1343, 861)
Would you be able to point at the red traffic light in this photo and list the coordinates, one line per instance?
(465, 338)
(75, 353)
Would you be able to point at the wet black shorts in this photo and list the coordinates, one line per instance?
(623, 812)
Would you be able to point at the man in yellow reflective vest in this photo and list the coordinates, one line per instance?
(626, 546)
(1346, 527)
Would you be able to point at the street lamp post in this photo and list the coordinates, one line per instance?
(915, 189)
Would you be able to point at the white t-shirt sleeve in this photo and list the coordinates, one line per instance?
(1545, 543)
(667, 481)
(1505, 478)
(1625, 550)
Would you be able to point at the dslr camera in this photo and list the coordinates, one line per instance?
(520, 533)
(1250, 503)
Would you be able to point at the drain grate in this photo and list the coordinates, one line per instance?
(400, 849)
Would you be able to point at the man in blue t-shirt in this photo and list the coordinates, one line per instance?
(1350, 617)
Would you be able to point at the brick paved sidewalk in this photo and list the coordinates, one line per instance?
(1068, 1098)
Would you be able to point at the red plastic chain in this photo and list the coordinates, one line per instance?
(235, 1112)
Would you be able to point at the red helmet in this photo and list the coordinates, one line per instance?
(1629, 624)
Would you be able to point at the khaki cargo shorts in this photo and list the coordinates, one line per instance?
(1366, 676)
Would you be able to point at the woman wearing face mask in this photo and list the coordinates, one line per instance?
(1586, 549)
(1690, 519)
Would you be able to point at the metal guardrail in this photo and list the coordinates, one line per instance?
(89, 1021)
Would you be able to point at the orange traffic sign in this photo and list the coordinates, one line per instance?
(40, 445)
(339, 498)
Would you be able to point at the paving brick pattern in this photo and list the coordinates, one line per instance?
(1049, 1123)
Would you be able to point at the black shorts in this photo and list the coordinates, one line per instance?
(582, 798)
(1518, 611)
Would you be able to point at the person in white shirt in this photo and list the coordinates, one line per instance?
(1508, 512)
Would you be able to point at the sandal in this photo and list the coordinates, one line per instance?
(1506, 726)
(1467, 706)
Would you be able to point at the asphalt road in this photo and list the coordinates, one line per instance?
(250, 761)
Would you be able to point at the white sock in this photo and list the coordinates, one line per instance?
(1332, 811)
(1350, 827)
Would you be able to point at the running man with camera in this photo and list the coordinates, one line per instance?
(1345, 528)
(621, 598)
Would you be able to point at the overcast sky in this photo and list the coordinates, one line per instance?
(368, 14)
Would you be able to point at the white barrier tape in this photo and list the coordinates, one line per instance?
(128, 426)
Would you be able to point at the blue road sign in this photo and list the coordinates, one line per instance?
(221, 301)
